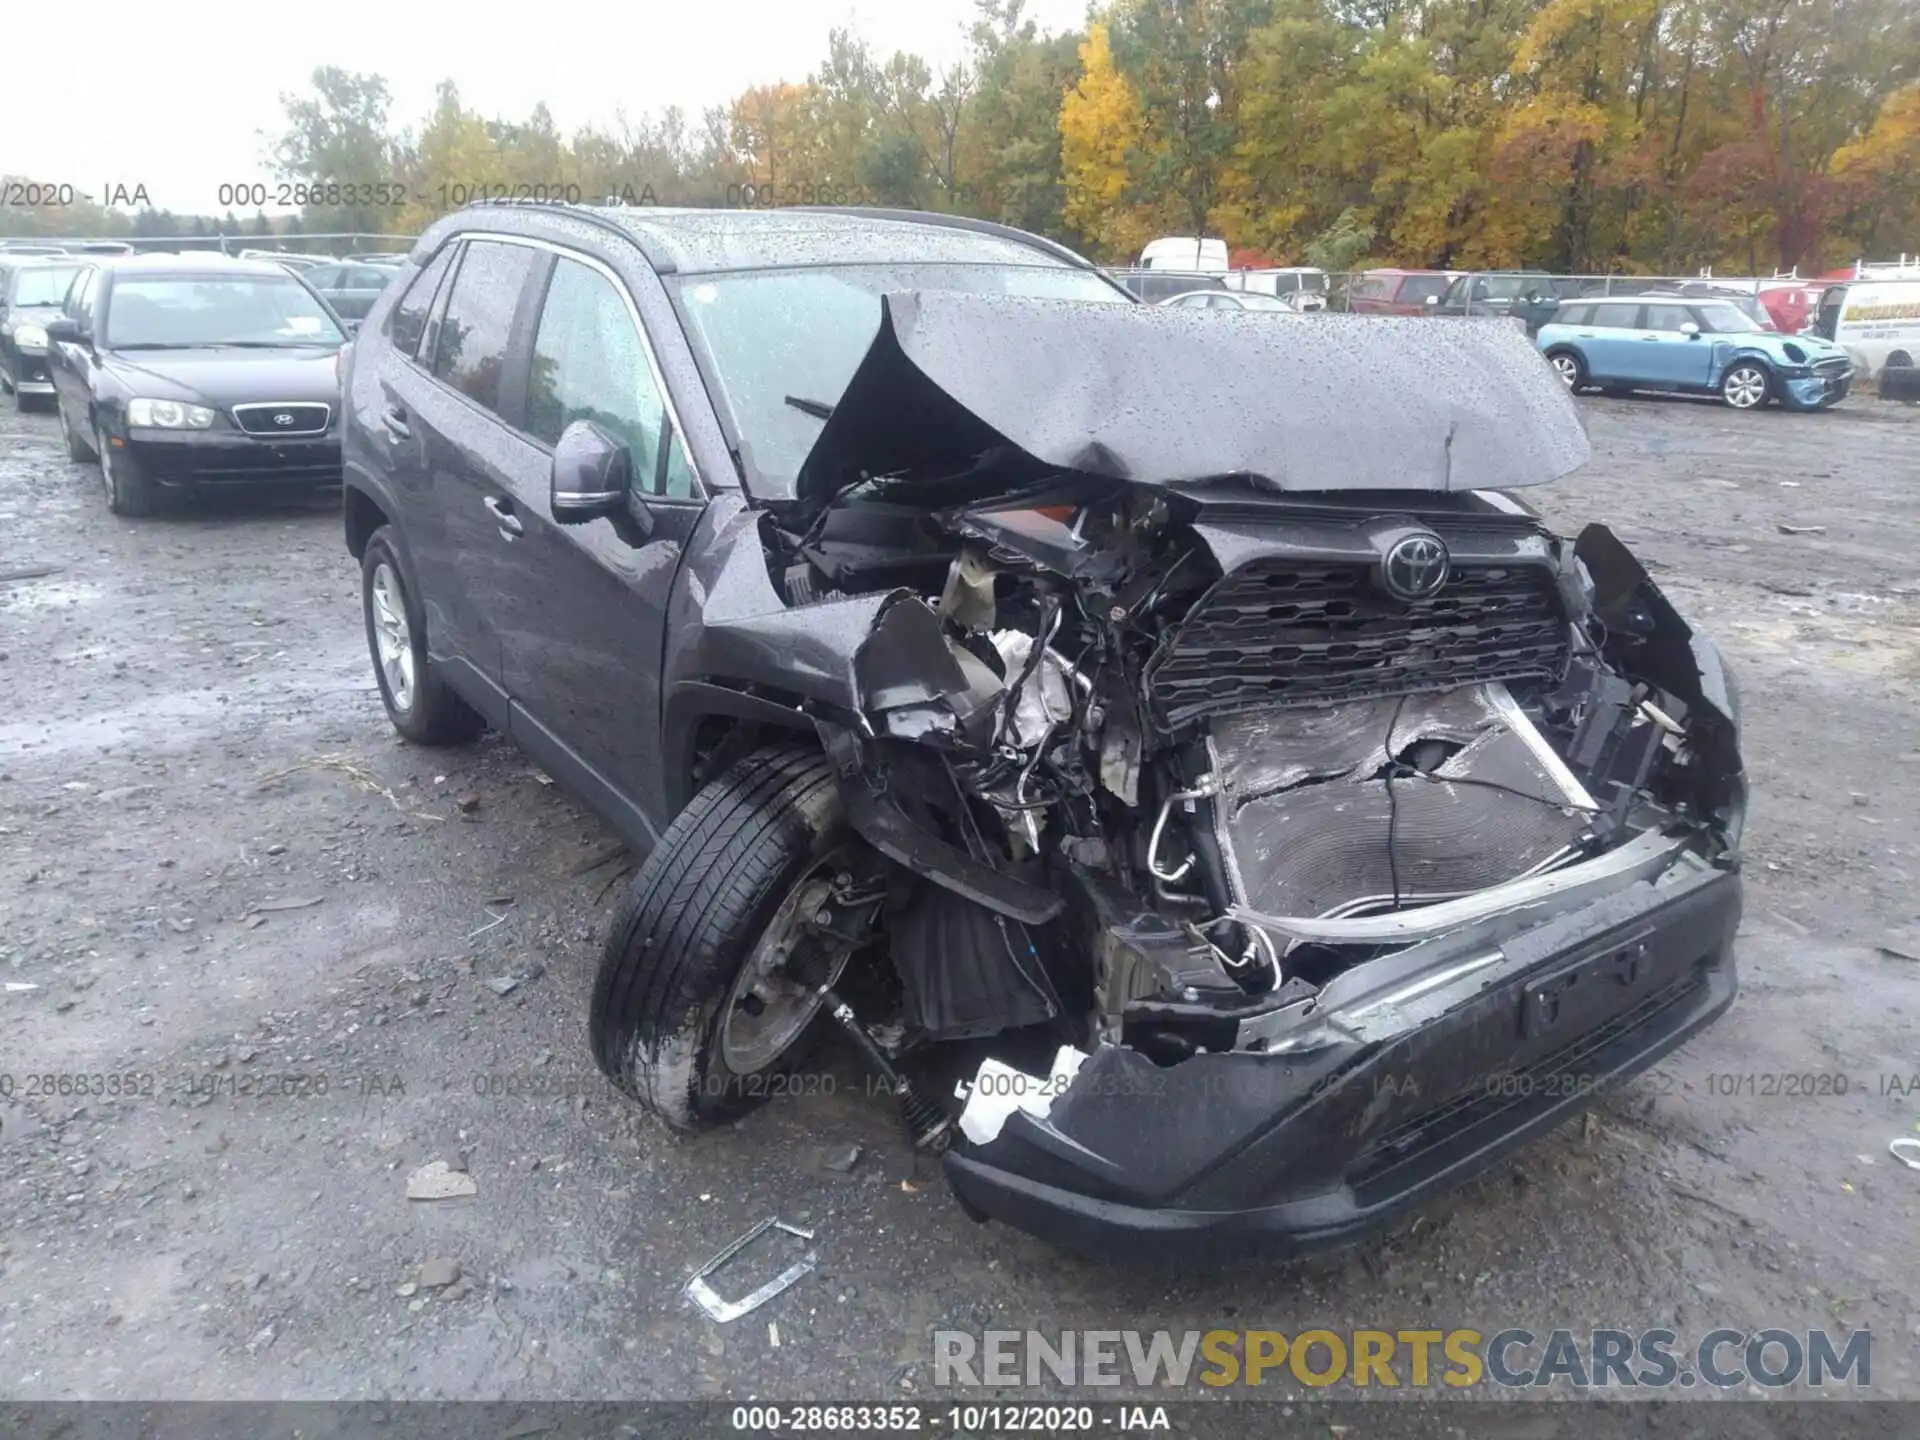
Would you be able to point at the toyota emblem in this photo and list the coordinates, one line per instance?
(1415, 568)
(283, 417)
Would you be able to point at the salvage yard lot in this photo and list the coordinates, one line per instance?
(312, 959)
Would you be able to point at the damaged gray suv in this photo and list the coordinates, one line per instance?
(1155, 741)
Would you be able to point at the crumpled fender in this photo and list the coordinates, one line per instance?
(1679, 659)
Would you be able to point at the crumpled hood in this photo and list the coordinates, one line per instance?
(1160, 395)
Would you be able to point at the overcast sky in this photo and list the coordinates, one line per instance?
(176, 95)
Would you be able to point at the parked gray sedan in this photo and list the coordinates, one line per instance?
(350, 288)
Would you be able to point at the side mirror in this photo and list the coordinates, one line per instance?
(62, 330)
(592, 477)
(1433, 299)
(1690, 330)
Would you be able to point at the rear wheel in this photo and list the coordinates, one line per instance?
(1746, 386)
(1569, 367)
(419, 706)
(709, 984)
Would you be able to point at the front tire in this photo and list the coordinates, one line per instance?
(686, 1013)
(129, 487)
(76, 447)
(419, 706)
(1571, 369)
(1747, 386)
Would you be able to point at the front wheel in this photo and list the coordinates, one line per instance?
(1746, 386)
(1568, 366)
(76, 447)
(129, 487)
(711, 976)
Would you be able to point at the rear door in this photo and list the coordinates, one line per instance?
(1610, 342)
(460, 411)
(584, 639)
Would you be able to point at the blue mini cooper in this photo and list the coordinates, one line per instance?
(1705, 347)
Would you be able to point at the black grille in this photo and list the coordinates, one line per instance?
(269, 419)
(1281, 632)
(1834, 366)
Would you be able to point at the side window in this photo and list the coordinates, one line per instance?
(1574, 315)
(408, 322)
(589, 363)
(1615, 317)
(79, 302)
(471, 349)
(368, 277)
(320, 277)
(1666, 317)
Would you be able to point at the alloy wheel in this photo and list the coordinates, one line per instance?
(1745, 387)
(768, 1008)
(1568, 369)
(393, 637)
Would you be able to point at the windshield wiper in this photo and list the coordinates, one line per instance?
(163, 345)
(819, 409)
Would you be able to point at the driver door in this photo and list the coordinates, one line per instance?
(584, 636)
(1673, 357)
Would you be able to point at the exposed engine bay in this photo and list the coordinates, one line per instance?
(1154, 762)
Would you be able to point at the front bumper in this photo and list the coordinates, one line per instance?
(26, 370)
(216, 459)
(1816, 391)
(1403, 1098)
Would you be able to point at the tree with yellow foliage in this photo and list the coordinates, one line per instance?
(1100, 127)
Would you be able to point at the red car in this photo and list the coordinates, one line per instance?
(1397, 292)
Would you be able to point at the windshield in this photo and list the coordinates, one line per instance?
(773, 334)
(1723, 318)
(189, 310)
(43, 284)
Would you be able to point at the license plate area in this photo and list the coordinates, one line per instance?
(1589, 989)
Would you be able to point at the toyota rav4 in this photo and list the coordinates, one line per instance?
(1220, 824)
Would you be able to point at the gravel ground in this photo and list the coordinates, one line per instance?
(219, 869)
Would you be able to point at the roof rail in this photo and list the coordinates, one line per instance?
(662, 264)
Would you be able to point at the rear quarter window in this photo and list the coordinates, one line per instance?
(409, 319)
(470, 352)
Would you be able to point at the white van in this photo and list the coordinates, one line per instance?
(1185, 252)
(1877, 322)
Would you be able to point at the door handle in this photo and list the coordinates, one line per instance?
(502, 512)
(394, 419)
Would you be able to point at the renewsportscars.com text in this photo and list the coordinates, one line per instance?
(1602, 1359)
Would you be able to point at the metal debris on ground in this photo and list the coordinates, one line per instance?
(270, 907)
(438, 1180)
(722, 1310)
(492, 921)
(353, 771)
(1906, 1150)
